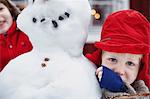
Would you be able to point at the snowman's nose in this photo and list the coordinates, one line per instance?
(55, 24)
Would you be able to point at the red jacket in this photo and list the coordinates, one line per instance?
(12, 44)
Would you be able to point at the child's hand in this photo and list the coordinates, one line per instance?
(99, 72)
(110, 80)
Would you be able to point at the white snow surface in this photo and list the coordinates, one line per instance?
(67, 74)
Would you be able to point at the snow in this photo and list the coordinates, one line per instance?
(67, 74)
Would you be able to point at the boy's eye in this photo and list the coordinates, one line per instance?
(113, 60)
(1, 8)
(129, 63)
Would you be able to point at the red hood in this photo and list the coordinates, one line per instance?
(126, 31)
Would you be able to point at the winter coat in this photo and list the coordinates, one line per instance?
(138, 90)
(12, 44)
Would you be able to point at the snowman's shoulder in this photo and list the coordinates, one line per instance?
(21, 59)
(87, 61)
(18, 62)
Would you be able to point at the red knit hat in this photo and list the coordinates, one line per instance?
(126, 31)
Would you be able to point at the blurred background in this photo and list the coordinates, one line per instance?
(100, 10)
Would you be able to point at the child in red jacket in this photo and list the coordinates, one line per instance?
(123, 55)
(13, 42)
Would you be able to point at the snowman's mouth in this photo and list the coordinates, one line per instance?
(62, 17)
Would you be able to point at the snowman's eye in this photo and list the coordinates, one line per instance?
(34, 20)
(33, 1)
(43, 19)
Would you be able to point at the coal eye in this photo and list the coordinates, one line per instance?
(33, 1)
(67, 14)
(42, 20)
(34, 20)
(60, 18)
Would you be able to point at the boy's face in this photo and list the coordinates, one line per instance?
(6, 19)
(126, 65)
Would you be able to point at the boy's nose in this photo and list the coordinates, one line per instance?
(119, 70)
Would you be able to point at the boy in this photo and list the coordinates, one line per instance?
(123, 53)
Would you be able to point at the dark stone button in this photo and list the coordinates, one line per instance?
(43, 65)
(46, 59)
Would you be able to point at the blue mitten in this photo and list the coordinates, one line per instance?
(112, 81)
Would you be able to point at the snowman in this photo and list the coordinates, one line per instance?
(56, 67)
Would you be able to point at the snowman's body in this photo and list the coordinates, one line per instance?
(55, 68)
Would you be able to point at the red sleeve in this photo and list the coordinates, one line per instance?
(94, 57)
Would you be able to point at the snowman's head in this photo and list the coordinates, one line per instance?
(62, 23)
